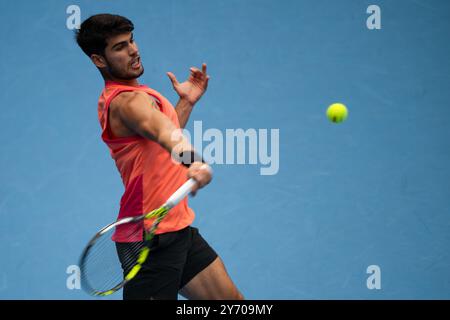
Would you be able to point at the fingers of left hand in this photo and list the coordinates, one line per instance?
(197, 74)
(196, 71)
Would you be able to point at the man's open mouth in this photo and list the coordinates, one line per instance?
(136, 63)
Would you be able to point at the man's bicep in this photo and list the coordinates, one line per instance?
(138, 115)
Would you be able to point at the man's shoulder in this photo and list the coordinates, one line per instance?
(129, 97)
(126, 96)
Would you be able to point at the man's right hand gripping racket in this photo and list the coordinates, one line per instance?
(101, 271)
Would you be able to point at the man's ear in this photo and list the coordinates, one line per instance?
(98, 60)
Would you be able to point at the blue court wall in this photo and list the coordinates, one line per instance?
(372, 191)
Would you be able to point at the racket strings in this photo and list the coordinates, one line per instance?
(102, 269)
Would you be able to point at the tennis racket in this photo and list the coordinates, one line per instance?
(101, 270)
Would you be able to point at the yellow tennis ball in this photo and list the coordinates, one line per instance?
(337, 112)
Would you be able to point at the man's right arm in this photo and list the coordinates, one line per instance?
(134, 112)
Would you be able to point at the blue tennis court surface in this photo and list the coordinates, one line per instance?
(357, 210)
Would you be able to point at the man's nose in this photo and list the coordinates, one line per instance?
(133, 49)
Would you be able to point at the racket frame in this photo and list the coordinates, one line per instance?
(159, 214)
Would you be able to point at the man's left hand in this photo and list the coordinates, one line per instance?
(192, 89)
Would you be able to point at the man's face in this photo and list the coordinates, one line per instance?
(122, 57)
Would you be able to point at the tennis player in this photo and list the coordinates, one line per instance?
(141, 129)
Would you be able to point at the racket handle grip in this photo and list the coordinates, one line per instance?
(182, 192)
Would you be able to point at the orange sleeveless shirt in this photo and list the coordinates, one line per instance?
(148, 173)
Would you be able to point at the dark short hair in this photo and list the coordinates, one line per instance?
(96, 30)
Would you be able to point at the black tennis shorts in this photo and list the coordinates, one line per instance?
(175, 258)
